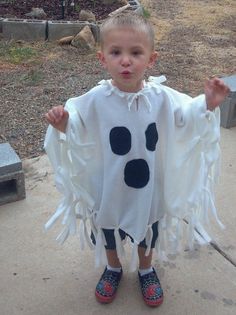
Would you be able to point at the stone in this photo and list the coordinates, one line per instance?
(86, 15)
(228, 107)
(65, 40)
(84, 40)
(37, 13)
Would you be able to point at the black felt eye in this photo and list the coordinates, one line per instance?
(120, 140)
(136, 173)
(151, 137)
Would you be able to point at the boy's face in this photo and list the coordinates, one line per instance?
(126, 54)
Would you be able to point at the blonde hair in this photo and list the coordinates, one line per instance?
(133, 21)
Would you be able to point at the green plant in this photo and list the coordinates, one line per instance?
(13, 53)
(20, 54)
(146, 13)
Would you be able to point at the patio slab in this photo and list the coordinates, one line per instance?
(40, 277)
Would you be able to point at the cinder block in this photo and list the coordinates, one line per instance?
(228, 107)
(12, 187)
(12, 181)
(9, 160)
(59, 29)
(24, 29)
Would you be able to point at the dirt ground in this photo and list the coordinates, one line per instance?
(195, 39)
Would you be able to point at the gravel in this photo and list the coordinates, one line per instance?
(28, 92)
(28, 89)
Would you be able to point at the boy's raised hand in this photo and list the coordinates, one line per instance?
(215, 92)
(58, 117)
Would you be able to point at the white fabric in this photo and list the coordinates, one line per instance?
(182, 169)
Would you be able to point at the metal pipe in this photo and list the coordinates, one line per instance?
(63, 9)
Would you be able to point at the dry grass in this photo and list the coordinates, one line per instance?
(196, 39)
(208, 15)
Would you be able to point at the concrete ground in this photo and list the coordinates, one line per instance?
(40, 277)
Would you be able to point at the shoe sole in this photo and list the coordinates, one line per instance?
(154, 304)
(103, 299)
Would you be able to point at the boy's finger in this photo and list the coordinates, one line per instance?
(55, 111)
(52, 117)
(222, 86)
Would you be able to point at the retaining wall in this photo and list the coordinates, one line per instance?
(31, 30)
(25, 29)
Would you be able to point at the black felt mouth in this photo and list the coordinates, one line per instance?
(136, 173)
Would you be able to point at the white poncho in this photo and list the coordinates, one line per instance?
(128, 160)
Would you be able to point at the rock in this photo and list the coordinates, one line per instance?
(37, 13)
(86, 15)
(84, 40)
(65, 40)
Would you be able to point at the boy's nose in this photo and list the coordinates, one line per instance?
(125, 61)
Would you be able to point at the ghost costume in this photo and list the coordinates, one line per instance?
(128, 160)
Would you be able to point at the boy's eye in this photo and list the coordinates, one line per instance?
(115, 52)
(136, 52)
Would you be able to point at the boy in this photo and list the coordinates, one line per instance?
(133, 155)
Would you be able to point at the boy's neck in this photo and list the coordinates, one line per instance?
(128, 89)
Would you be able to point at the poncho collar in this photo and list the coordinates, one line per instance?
(152, 83)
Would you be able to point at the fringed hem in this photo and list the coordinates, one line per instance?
(76, 203)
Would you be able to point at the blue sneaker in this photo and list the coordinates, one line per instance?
(107, 286)
(151, 289)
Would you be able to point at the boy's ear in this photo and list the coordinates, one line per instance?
(101, 58)
(153, 59)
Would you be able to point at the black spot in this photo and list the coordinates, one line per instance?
(136, 173)
(151, 137)
(120, 140)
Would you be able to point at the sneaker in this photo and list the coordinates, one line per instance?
(107, 286)
(151, 289)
